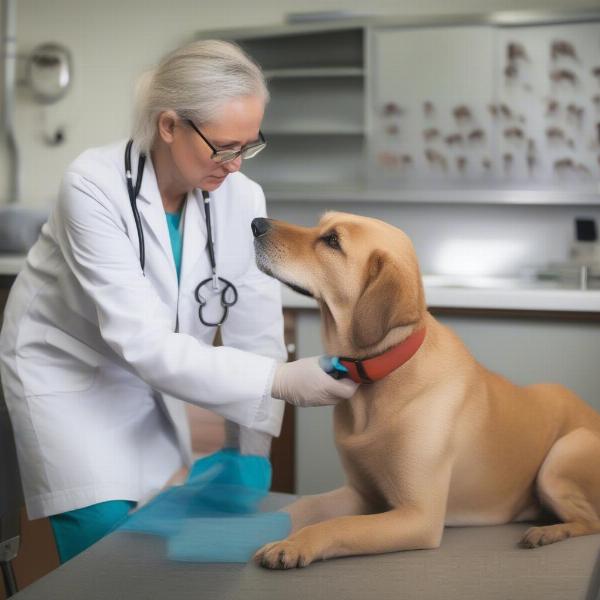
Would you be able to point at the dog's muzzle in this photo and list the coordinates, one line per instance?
(264, 249)
(260, 227)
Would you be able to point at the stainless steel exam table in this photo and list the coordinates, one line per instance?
(482, 563)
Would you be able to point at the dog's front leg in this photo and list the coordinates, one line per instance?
(309, 510)
(398, 529)
(415, 522)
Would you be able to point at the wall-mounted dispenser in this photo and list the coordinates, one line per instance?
(49, 72)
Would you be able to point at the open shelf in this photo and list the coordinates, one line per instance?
(317, 161)
(328, 106)
(338, 48)
(315, 121)
(314, 72)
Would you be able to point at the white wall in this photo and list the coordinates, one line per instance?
(114, 40)
(455, 239)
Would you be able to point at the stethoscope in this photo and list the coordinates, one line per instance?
(229, 293)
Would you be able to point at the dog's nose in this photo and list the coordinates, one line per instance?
(260, 226)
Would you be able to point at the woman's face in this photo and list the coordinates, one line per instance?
(236, 125)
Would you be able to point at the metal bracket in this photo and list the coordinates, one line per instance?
(9, 549)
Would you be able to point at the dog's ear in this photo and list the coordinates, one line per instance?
(389, 299)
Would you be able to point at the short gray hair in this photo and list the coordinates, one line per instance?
(195, 81)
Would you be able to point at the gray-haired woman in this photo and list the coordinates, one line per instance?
(110, 324)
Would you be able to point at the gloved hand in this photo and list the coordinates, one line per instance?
(304, 383)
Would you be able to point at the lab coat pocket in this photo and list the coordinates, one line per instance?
(62, 364)
(70, 345)
(233, 265)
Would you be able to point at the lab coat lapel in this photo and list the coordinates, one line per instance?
(152, 214)
(194, 241)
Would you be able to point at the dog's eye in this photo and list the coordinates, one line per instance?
(332, 240)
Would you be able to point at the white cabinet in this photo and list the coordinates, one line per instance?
(487, 106)
(497, 109)
(431, 91)
(551, 86)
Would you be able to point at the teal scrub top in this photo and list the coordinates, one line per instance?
(173, 221)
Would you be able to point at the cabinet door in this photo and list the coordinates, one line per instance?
(432, 88)
(514, 107)
(548, 78)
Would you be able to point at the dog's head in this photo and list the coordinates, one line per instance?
(363, 273)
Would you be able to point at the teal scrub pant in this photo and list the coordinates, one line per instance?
(76, 530)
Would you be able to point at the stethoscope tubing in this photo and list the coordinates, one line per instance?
(133, 194)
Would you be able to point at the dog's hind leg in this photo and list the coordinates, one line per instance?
(569, 484)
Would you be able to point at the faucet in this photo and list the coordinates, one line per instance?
(584, 274)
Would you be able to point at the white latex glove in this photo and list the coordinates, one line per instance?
(303, 383)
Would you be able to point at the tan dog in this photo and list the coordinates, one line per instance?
(440, 440)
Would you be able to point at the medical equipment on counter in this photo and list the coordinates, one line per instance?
(49, 72)
(229, 294)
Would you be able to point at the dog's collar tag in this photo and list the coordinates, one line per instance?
(369, 370)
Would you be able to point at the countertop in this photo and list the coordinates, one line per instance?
(492, 293)
(492, 297)
(11, 264)
(471, 563)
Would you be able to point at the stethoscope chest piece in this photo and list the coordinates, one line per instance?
(227, 292)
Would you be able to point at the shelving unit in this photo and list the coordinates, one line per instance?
(330, 137)
(315, 121)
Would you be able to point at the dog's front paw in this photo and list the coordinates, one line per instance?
(285, 554)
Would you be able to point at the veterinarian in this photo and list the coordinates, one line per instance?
(110, 324)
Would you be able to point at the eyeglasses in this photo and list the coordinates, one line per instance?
(224, 156)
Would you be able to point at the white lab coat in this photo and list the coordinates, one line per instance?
(91, 365)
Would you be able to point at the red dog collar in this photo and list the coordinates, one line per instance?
(372, 369)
